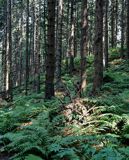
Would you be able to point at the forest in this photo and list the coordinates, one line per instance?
(64, 79)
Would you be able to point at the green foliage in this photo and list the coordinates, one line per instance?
(43, 136)
(36, 129)
(32, 157)
(114, 53)
(29, 138)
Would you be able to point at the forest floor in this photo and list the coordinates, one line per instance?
(69, 127)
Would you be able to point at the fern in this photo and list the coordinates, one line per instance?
(36, 129)
(32, 157)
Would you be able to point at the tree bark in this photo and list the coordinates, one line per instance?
(37, 48)
(122, 29)
(59, 42)
(50, 59)
(84, 45)
(9, 82)
(113, 24)
(98, 49)
(27, 47)
(128, 30)
(106, 35)
(72, 37)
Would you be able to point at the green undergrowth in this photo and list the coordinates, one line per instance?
(116, 90)
(69, 128)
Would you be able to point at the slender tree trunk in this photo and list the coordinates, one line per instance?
(27, 46)
(4, 58)
(122, 29)
(106, 35)
(72, 37)
(98, 63)
(77, 29)
(84, 45)
(113, 24)
(33, 44)
(116, 21)
(21, 47)
(59, 43)
(44, 30)
(128, 30)
(56, 24)
(50, 59)
(9, 83)
(16, 49)
(4, 62)
(67, 52)
(37, 48)
(91, 28)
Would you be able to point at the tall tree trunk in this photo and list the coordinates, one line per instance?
(84, 45)
(3, 65)
(122, 29)
(59, 43)
(98, 63)
(78, 37)
(106, 35)
(33, 44)
(116, 21)
(45, 29)
(128, 30)
(27, 46)
(21, 46)
(4, 57)
(9, 83)
(67, 40)
(75, 29)
(16, 45)
(72, 36)
(50, 59)
(113, 24)
(37, 48)
(91, 28)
